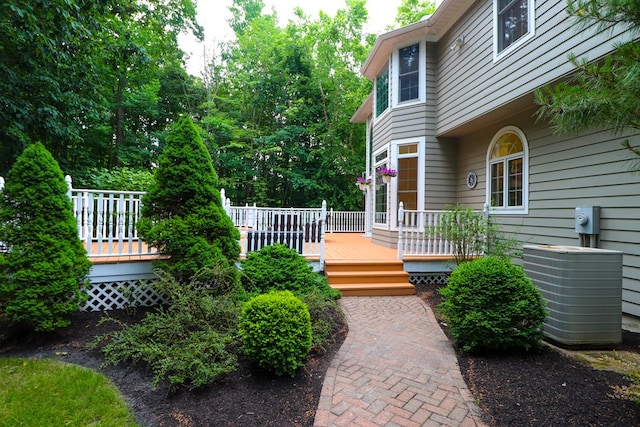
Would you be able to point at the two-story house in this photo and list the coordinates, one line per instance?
(452, 109)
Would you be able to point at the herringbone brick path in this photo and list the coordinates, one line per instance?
(395, 368)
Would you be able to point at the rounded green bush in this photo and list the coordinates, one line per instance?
(275, 329)
(490, 304)
(280, 268)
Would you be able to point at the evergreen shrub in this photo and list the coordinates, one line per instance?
(278, 267)
(490, 304)
(275, 330)
(182, 213)
(326, 316)
(191, 342)
(43, 273)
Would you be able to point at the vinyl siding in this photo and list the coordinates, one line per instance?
(441, 155)
(471, 84)
(566, 172)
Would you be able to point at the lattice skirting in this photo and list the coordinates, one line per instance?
(122, 294)
(428, 278)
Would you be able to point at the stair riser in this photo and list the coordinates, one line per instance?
(369, 279)
(363, 267)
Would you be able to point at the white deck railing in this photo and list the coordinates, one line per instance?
(345, 222)
(107, 222)
(301, 229)
(417, 234)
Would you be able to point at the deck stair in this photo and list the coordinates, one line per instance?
(368, 278)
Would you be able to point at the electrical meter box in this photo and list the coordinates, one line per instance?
(587, 220)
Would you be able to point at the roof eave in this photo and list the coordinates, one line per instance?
(364, 111)
(431, 28)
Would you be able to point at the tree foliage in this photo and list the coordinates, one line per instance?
(602, 93)
(182, 213)
(101, 83)
(88, 79)
(412, 11)
(42, 274)
(281, 99)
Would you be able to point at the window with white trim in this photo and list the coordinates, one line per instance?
(507, 172)
(409, 73)
(513, 23)
(382, 91)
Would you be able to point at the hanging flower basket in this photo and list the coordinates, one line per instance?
(386, 174)
(363, 183)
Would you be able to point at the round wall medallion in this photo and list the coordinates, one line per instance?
(472, 180)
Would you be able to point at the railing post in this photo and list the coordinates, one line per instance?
(332, 216)
(323, 222)
(69, 182)
(400, 224)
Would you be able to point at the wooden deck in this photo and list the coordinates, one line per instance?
(353, 264)
(353, 247)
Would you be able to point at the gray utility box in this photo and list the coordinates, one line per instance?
(583, 290)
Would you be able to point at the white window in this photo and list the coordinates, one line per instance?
(507, 172)
(409, 69)
(382, 91)
(513, 24)
(409, 72)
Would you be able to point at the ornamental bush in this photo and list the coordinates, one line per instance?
(275, 330)
(279, 268)
(190, 343)
(472, 234)
(43, 274)
(490, 304)
(182, 212)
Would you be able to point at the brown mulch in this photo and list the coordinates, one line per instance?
(540, 389)
(545, 388)
(247, 397)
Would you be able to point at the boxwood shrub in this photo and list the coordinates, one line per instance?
(275, 330)
(280, 268)
(490, 304)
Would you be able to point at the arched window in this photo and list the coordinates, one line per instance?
(507, 171)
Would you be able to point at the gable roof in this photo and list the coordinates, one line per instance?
(432, 28)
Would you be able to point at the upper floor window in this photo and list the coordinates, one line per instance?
(513, 22)
(382, 91)
(507, 172)
(409, 72)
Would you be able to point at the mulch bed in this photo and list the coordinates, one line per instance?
(540, 389)
(246, 397)
(545, 388)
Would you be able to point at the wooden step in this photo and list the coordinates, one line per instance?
(375, 289)
(369, 278)
(360, 265)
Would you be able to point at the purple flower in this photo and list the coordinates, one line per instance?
(387, 172)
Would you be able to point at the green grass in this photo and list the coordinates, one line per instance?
(46, 392)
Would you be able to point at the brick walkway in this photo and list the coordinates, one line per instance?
(395, 368)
